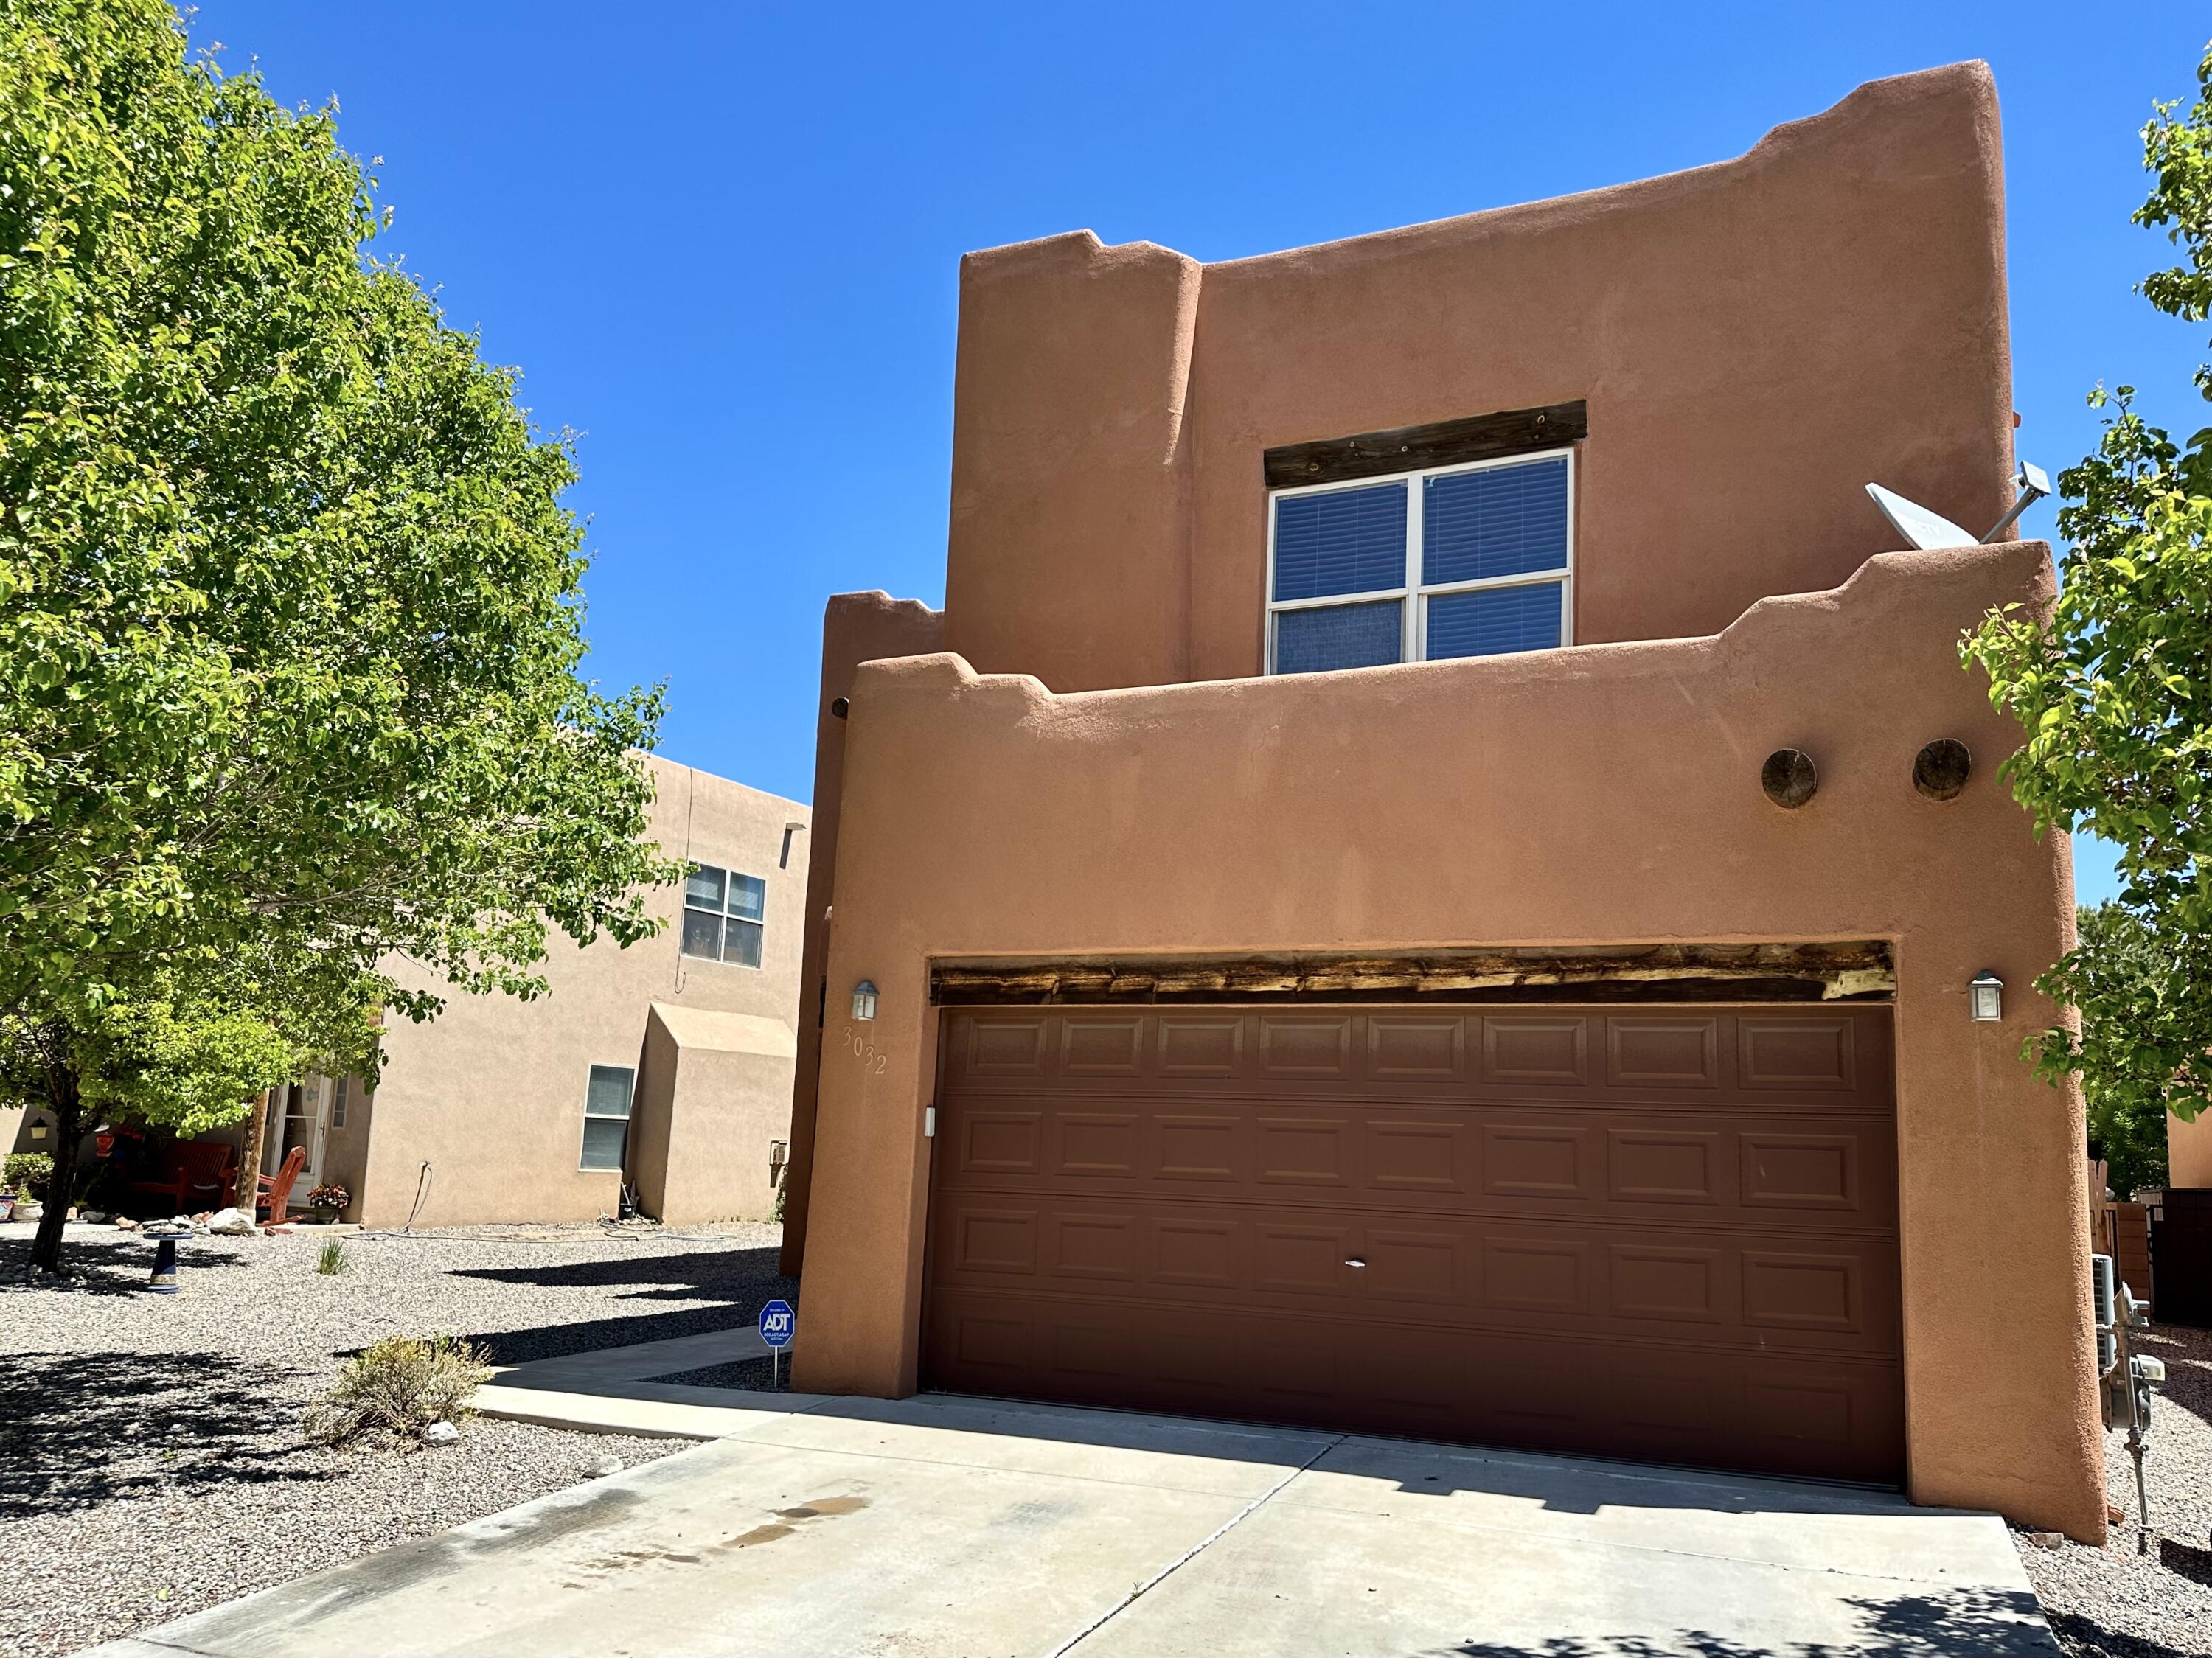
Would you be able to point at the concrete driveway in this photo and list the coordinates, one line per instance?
(944, 1525)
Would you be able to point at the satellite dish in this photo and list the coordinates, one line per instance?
(1921, 528)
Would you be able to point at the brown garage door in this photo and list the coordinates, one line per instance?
(1657, 1232)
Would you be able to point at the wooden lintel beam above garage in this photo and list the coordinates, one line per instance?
(1859, 971)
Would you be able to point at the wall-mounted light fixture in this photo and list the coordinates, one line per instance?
(864, 999)
(1985, 997)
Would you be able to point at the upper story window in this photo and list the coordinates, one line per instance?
(724, 915)
(1474, 559)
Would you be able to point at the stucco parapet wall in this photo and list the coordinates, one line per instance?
(1923, 595)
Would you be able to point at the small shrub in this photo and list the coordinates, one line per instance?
(331, 1261)
(398, 1387)
(26, 1172)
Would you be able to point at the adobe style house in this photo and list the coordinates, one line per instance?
(667, 1065)
(1316, 876)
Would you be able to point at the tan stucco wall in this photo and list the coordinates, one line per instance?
(492, 1092)
(2188, 1151)
(715, 1094)
(856, 628)
(1755, 340)
(1609, 794)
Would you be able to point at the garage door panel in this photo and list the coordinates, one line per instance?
(1306, 1047)
(1656, 1232)
(1419, 1158)
(1652, 1051)
(1664, 1165)
(1095, 1146)
(1306, 1151)
(1200, 1252)
(1187, 1146)
(1668, 1283)
(1723, 1288)
(1537, 1159)
(1102, 1045)
(1536, 1272)
(1416, 1048)
(1534, 1050)
(1192, 1047)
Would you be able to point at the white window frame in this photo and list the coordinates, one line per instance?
(629, 1115)
(1413, 596)
(731, 876)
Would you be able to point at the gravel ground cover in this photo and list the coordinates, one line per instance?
(151, 1461)
(2113, 1602)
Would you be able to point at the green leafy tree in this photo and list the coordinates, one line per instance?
(2115, 692)
(2123, 960)
(289, 606)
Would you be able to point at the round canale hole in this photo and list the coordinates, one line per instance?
(1940, 770)
(1789, 777)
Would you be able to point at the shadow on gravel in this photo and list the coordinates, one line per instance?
(736, 1282)
(77, 1428)
(2188, 1356)
(1959, 1624)
(107, 1267)
(2089, 1638)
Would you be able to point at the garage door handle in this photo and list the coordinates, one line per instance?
(1356, 1261)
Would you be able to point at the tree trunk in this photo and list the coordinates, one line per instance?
(68, 1129)
(249, 1153)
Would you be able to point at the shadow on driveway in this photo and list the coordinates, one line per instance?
(1934, 1626)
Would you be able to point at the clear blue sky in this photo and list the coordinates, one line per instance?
(721, 241)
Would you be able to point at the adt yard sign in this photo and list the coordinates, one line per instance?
(778, 1323)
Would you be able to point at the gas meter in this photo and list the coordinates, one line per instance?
(2125, 1376)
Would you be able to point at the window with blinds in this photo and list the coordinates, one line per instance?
(1462, 560)
(725, 915)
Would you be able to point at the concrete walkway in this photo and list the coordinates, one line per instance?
(612, 1390)
(945, 1525)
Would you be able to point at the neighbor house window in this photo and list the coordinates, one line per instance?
(338, 1103)
(606, 1116)
(1459, 560)
(724, 914)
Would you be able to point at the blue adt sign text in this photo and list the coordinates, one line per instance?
(778, 1323)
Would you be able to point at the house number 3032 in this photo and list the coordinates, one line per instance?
(872, 1063)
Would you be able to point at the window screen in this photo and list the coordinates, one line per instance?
(1340, 636)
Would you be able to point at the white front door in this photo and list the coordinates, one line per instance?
(299, 1114)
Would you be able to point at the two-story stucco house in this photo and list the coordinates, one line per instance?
(666, 1067)
(1313, 939)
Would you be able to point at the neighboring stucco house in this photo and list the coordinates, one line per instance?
(668, 1065)
(1316, 879)
(2188, 1152)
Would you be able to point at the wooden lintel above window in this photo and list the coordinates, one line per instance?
(1440, 443)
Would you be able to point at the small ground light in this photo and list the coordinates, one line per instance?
(864, 999)
(1985, 997)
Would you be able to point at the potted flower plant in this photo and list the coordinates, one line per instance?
(328, 1201)
(22, 1177)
